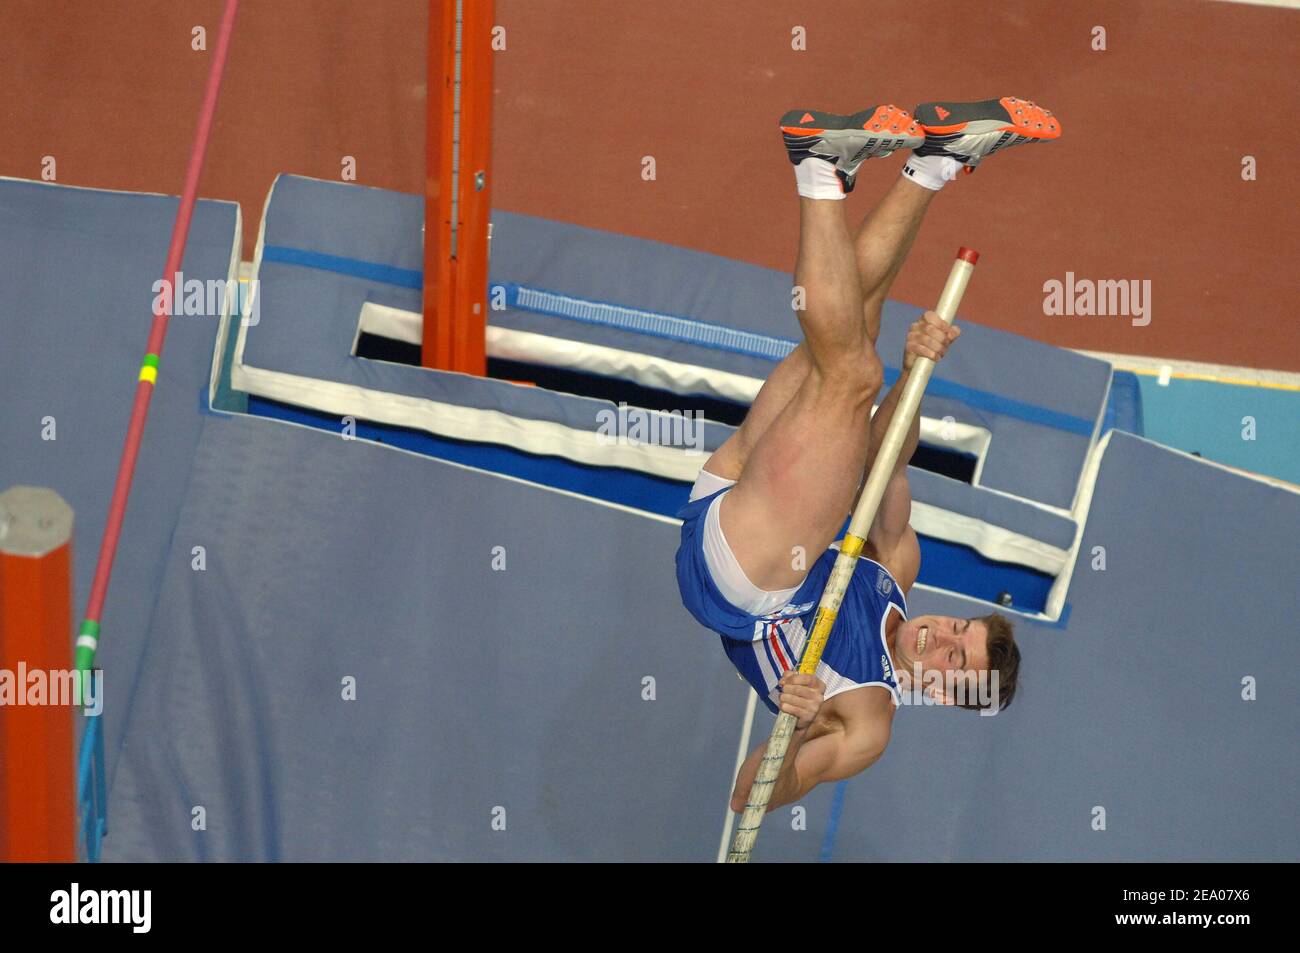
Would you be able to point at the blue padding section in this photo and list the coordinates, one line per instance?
(342, 220)
(320, 350)
(330, 298)
(77, 268)
(1124, 408)
(310, 318)
(1138, 705)
(329, 560)
(601, 266)
(1206, 417)
(995, 509)
(669, 327)
(368, 270)
(597, 266)
(946, 565)
(984, 400)
(943, 564)
(721, 338)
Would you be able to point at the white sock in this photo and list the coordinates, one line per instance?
(931, 172)
(816, 179)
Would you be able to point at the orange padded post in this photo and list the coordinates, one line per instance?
(457, 191)
(38, 807)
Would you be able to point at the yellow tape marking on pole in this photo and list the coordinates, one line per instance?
(864, 514)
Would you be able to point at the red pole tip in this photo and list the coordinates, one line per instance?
(968, 254)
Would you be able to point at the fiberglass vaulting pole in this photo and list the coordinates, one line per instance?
(864, 514)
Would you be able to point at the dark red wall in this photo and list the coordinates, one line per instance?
(1146, 182)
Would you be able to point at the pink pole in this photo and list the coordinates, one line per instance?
(88, 639)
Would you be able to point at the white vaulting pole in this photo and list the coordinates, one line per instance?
(864, 514)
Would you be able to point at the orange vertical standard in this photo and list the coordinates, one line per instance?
(38, 807)
(457, 190)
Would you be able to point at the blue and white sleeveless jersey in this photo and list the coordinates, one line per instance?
(763, 648)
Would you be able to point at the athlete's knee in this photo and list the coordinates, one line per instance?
(850, 374)
(862, 374)
(852, 382)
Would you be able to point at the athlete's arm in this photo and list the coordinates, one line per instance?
(857, 740)
(891, 537)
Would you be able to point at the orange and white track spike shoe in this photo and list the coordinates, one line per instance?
(848, 141)
(970, 132)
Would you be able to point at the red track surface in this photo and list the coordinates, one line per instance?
(1145, 183)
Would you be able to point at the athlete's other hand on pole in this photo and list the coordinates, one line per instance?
(928, 337)
(802, 696)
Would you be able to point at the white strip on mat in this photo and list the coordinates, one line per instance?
(644, 369)
(539, 437)
(992, 542)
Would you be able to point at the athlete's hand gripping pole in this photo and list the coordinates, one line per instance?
(864, 514)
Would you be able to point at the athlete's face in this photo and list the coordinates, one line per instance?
(942, 651)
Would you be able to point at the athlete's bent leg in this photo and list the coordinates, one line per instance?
(883, 241)
(801, 476)
(881, 245)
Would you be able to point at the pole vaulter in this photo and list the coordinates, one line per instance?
(864, 515)
(774, 497)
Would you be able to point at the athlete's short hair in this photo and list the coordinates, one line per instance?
(1004, 658)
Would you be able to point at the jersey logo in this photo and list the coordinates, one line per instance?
(884, 585)
(886, 667)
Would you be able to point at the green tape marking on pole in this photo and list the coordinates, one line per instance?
(87, 644)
